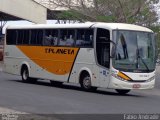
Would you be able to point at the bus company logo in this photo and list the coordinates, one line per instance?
(59, 51)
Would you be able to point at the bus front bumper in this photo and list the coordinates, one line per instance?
(118, 84)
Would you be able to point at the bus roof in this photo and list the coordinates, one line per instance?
(123, 26)
(110, 26)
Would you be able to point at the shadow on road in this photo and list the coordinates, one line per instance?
(77, 88)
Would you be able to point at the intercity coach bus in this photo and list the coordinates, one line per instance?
(107, 55)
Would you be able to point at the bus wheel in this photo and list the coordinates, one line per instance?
(122, 92)
(25, 76)
(56, 83)
(86, 84)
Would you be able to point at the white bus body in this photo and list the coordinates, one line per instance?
(109, 55)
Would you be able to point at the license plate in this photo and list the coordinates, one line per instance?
(136, 86)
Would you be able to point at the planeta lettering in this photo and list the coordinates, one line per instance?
(59, 51)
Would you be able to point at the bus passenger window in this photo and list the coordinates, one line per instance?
(26, 37)
(70, 41)
(80, 37)
(84, 38)
(23, 37)
(70, 38)
(11, 37)
(63, 37)
(47, 40)
(67, 37)
(20, 37)
(89, 38)
(51, 37)
(36, 37)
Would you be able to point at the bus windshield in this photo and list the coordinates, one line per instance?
(135, 51)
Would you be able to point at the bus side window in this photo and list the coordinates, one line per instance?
(63, 37)
(36, 37)
(67, 37)
(26, 37)
(50, 37)
(80, 37)
(20, 37)
(70, 37)
(39, 37)
(89, 38)
(11, 37)
(23, 37)
(84, 38)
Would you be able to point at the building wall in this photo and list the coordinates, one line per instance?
(25, 9)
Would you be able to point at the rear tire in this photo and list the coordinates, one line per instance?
(122, 92)
(25, 76)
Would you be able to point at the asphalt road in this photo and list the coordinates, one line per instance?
(42, 98)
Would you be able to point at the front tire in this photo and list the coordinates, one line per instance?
(122, 92)
(86, 84)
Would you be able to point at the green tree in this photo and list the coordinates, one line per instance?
(156, 29)
(140, 12)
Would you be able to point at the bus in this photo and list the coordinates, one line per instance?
(94, 55)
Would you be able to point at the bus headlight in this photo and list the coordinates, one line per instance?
(150, 79)
(122, 76)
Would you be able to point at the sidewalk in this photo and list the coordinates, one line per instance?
(10, 111)
(9, 114)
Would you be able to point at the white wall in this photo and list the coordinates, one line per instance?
(25, 9)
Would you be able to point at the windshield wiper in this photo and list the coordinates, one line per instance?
(138, 56)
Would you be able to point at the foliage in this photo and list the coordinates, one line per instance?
(156, 29)
(140, 12)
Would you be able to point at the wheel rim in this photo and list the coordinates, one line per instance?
(87, 82)
(25, 75)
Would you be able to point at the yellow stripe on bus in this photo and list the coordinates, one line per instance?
(57, 60)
